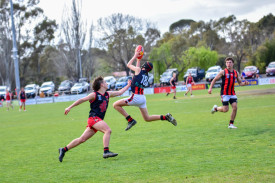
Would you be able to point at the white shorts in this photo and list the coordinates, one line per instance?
(8, 101)
(189, 85)
(228, 98)
(136, 100)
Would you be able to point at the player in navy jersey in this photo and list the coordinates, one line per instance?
(173, 83)
(228, 95)
(22, 97)
(99, 100)
(140, 80)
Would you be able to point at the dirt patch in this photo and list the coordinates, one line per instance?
(257, 92)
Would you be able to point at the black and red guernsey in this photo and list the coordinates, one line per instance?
(139, 82)
(99, 105)
(228, 82)
(174, 81)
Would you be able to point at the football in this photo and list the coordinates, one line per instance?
(140, 49)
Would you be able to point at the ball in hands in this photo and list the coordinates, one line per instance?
(140, 49)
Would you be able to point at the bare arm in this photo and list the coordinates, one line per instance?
(221, 73)
(80, 101)
(131, 66)
(121, 91)
(240, 81)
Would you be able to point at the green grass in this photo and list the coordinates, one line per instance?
(200, 149)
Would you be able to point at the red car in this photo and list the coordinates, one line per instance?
(270, 69)
(250, 72)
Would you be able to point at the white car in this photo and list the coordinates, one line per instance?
(31, 90)
(3, 92)
(79, 88)
(47, 88)
(212, 72)
(111, 81)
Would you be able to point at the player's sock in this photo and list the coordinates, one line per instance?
(66, 149)
(129, 118)
(231, 122)
(106, 149)
(163, 117)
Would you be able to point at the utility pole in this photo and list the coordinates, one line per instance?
(15, 56)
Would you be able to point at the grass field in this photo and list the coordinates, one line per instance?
(200, 149)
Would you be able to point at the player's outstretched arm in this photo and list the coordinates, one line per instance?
(240, 81)
(221, 73)
(80, 101)
(121, 91)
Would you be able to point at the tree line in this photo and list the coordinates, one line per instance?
(87, 50)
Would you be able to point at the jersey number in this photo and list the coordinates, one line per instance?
(144, 80)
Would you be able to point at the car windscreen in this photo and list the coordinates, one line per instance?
(271, 66)
(29, 88)
(249, 69)
(122, 79)
(45, 86)
(78, 84)
(166, 74)
(191, 71)
(65, 84)
(2, 90)
(213, 70)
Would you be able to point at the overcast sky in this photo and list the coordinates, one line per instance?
(165, 12)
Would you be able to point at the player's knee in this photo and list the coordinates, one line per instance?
(147, 119)
(108, 131)
(82, 140)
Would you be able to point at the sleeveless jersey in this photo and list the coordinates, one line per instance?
(8, 96)
(174, 82)
(22, 95)
(139, 82)
(228, 82)
(189, 80)
(99, 105)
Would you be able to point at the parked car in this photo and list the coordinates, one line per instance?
(121, 82)
(151, 79)
(165, 78)
(83, 80)
(111, 81)
(86, 86)
(250, 72)
(3, 92)
(31, 90)
(212, 72)
(197, 73)
(47, 88)
(270, 69)
(78, 88)
(65, 87)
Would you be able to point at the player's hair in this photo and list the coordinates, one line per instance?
(229, 58)
(97, 83)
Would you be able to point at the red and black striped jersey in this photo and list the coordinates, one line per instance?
(139, 82)
(99, 105)
(228, 82)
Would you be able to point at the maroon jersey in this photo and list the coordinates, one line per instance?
(228, 82)
(189, 80)
(99, 105)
